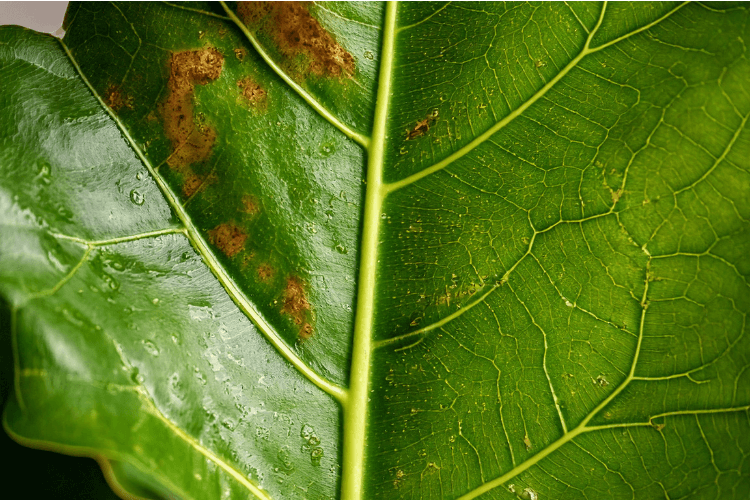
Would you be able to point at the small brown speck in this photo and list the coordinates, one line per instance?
(265, 273)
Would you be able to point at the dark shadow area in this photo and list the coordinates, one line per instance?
(36, 474)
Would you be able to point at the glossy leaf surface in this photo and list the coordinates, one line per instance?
(358, 250)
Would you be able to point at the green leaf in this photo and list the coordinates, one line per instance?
(354, 250)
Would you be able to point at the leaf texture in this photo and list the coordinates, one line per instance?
(357, 250)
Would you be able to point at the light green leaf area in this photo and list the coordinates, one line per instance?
(355, 250)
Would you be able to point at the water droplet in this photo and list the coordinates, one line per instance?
(341, 249)
(315, 455)
(136, 377)
(176, 386)
(307, 432)
(200, 313)
(139, 175)
(369, 55)
(327, 148)
(529, 494)
(44, 173)
(262, 432)
(285, 457)
(110, 281)
(199, 375)
(150, 347)
(137, 198)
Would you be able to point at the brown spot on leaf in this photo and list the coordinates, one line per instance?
(297, 33)
(116, 100)
(251, 90)
(297, 306)
(246, 259)
(295, 300)
(250, 205)
(265, 273)
(422, 126)
(240, 53)
(191, 185)
(229, 238)
(305, 332)
(190, 143)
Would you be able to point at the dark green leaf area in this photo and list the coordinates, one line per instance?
(122, 335)
(466, 67)
(574, 283)
(214, 121)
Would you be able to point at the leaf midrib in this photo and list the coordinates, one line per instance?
(354, 401)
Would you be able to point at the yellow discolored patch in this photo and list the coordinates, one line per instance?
(228, 238)
(296, 33)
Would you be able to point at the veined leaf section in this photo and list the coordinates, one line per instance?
(213, 263)
(356, 411)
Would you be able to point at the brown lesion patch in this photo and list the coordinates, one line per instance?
(190, 143)
(297, 306)
(250, 205)
(229, 238)
(116, 100)
(194, 184)
(422, 126)
(191, 185)
(265, 273)
(240, 53)
(251, 91)
(297, 33)
(305, 332)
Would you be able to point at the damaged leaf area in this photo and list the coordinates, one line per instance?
(190, 143)
(116, 100)
(298, 34)
(229, 238)
(251, 90)
(382, 251)
(297, 306)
